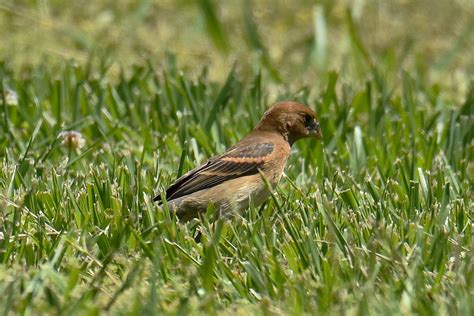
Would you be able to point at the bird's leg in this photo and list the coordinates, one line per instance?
(262, 208)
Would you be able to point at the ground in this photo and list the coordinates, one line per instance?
(103, 104)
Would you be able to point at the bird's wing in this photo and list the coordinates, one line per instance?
(236, 162)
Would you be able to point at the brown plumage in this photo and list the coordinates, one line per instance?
(234, 179)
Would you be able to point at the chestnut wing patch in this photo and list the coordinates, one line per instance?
(236, 162)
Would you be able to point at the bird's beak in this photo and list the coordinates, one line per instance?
(315, 130)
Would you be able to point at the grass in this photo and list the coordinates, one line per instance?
(376, 219)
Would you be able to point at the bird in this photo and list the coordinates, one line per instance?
(246, 172)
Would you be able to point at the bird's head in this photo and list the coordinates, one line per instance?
(292, 120)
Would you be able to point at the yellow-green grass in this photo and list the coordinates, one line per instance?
(375, 219)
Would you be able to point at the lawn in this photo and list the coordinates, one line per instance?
(103, 109)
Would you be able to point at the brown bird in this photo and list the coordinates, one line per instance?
(235, 179)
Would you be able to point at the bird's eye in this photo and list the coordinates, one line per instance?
(307, 119)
